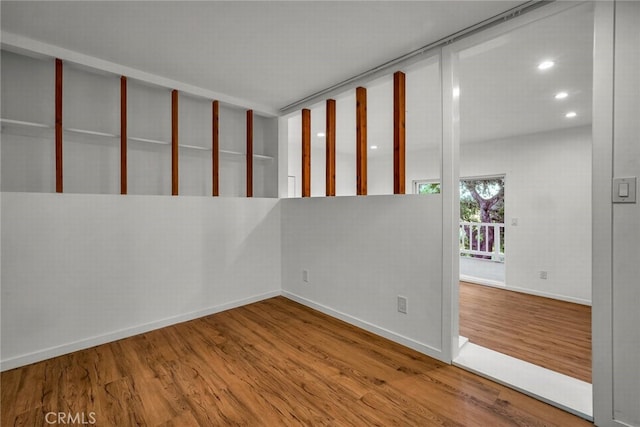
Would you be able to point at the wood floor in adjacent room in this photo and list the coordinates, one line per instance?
(546, 332)
(270, 363)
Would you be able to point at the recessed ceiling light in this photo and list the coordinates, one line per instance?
(374, 147)
(545, 65)
(571, 114)
(321, 135)
(561, 95)
(456, 91)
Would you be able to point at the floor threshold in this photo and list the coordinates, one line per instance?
(562, 391)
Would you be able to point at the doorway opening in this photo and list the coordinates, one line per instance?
(522, 94)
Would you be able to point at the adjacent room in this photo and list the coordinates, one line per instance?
(302, 213)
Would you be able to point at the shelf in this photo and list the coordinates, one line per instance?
(150, 141)
(194, 147)
(91, 133)
(239, 154)
(31, 129)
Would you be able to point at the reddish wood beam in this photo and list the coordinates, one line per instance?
(58, 126)
(249, 153)
(399, 134)
(306, 153)
(361, 141)
(330, 135)
(175, 148)
(123, 135)
(215, 147)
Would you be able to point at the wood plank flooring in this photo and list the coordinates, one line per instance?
(271, 363)
(549, 333)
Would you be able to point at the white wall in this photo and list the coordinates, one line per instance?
(80, 270)
(361, 253)
(626, 218)
(548, 190)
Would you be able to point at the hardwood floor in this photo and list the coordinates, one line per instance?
(549, 333)
(270, 363)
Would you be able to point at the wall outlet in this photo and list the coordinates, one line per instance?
(305, 276)
(402, 304)
(543, 275)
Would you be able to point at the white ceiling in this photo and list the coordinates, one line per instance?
(502, 92)
(265, 52)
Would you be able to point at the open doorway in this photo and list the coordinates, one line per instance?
(482, 230)
(522, 93)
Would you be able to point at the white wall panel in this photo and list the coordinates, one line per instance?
(360, 254)
(80, 270)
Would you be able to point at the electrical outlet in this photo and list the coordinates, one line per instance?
(305, 276)
(402, 304)
(543, 275)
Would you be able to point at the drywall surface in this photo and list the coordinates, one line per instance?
(548, 194)
(80, 270)
(626, 218)
(360, 253)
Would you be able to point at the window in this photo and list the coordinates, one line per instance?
(426, 187)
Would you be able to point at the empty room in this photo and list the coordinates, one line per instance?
(319, 213)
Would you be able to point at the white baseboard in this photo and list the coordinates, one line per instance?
(400, 339)
(501, 285)
(48, 353)
(480, 281)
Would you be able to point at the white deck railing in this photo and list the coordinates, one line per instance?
(482, 239)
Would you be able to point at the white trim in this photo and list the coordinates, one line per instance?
(370, 327)
(21, 44)
(482, 281)
(59, 350)
(450, 192)
(602, 212)
(500, 285)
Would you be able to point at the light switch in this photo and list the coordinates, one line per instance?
(624, 190)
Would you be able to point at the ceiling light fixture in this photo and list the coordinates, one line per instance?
(456, 92)
(561, 95)
(545, 65)
(374, 147)
(321, 135)
(571, 114)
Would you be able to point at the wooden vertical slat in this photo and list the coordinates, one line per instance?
(330, 135)
(123, 135)
(58, 126)
(215, 147)
(306, 153)
(174, 143)
(361, 141)
(399, 135)
(249, 153)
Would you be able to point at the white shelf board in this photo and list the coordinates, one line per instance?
(150, 141)
(194, 147)
(91, 133)
(24, 128)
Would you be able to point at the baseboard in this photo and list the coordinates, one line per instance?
(48, 353)
(549, 295)
(400, 339)
(501, 285)
(480, 281)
